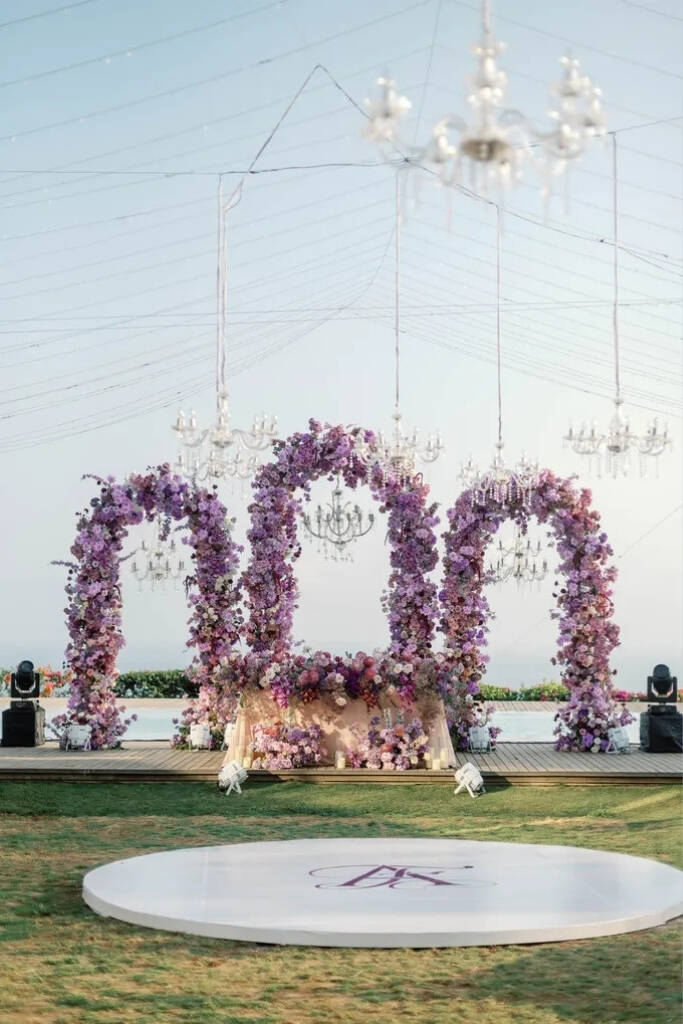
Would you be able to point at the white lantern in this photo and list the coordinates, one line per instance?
(200, 736)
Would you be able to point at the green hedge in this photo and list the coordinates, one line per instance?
(170, 683)
(547, 690)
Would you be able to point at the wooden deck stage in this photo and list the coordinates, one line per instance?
(535, 764)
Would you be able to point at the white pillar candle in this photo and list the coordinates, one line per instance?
(428, 759)
(339, 760)
(436, 764)
(246, 762)
(443, 757)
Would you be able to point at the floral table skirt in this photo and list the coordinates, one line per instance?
(341, 726)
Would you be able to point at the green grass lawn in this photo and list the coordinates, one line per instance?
(60, 964)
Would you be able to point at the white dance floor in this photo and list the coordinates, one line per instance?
(388, 892)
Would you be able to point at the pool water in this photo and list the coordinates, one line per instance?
(156, 723)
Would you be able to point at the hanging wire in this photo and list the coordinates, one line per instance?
(615, 264)
(397, 289)
(499, 246)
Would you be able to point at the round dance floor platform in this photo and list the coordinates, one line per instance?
(388, 892)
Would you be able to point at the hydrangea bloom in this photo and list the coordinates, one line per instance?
(397, 747)
(277, 746)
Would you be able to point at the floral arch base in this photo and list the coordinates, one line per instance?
(94, 595)
(408, 675)
(584, 609)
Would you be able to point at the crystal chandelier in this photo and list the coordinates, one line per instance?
(518, 562)
(338, 525)
(399, 451)
(221, 451)
(500, 483)
(160, 562)
(497, 141)
(609, 452)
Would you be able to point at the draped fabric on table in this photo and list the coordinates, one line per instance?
(342, 727)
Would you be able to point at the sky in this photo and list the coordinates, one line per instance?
(115, 121)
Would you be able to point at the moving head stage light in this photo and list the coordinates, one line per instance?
(23, 722)
(661, 726)
(25, 682)
(662, 687)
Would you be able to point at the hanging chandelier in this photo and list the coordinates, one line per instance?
(160, 562)
(496, 142)
(500, 483)
(609, 451)
(338, 525)
(399, 452)
(518, 562)
(221, 451)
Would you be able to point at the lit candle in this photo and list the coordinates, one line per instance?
(339, 760)
(436, 764)
(246, 763)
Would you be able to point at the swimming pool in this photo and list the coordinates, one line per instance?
(155, 721)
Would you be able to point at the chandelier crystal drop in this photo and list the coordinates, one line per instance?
(519, 562)
(503, 484)
(159, 562)
(496, 141)
(221, 451)
(338, 525)
(609, 452)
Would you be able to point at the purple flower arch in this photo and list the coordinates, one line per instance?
(270, 583)
(94, 593)
(584, 610)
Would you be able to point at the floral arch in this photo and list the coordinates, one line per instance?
(269, 582)
(584, 609)
(94, 593)
(408, 675)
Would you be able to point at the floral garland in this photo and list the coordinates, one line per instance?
(94, 595)
(587, 635)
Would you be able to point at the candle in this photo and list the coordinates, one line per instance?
(339, 760)
(246, 763)
(428, 760)
(436, 764)
(443, 757)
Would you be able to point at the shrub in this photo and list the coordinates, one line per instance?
(168, 683)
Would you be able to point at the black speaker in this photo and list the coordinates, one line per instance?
(23, 725)
(663, 731)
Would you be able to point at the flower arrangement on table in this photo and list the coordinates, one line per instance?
(276, 746)
(397, 747)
